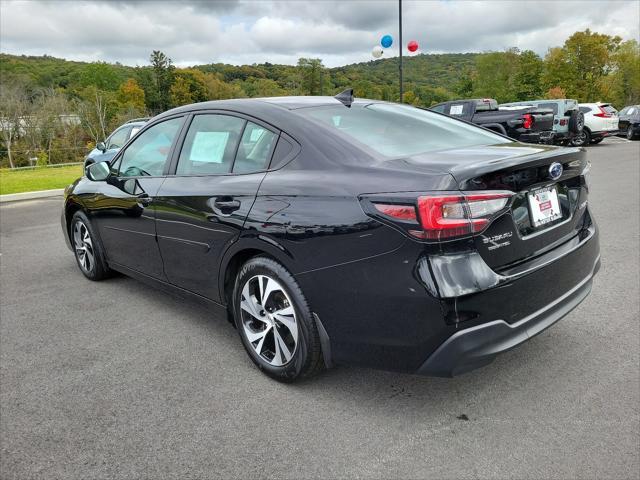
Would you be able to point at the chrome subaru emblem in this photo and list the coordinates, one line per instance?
(555, 171)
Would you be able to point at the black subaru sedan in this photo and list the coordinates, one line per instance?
(341, 231)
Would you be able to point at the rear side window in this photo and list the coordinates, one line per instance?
(585, 109)
(255, 149)
(210, 145)
(549, 106)
(438, 108)
(400, 130)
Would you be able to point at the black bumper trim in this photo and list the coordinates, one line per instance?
(478, 346)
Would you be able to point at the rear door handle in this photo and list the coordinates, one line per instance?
(227, 205)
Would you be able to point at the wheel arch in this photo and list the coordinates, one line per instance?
(243, 250)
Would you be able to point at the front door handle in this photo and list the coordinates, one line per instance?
(144, 199)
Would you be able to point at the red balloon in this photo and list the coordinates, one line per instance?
(412, 46)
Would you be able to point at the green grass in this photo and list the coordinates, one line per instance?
(43, 178)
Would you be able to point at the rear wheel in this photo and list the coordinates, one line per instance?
(275, 322)
(581, 139)
(87, 249)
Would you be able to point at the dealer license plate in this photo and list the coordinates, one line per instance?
(544, 206)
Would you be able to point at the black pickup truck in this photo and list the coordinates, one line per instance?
(525, 124)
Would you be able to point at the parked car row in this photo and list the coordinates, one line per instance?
(558, 122)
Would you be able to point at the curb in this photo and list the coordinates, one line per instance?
(15, 197)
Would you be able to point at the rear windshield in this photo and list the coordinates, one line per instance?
(609, 109)
(399, 130)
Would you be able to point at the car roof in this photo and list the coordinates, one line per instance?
(287, 103)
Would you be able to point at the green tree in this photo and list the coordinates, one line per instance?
(131, 95)
(180, 92)
(162, 76)
(625, 79)
(581, 65)
(311, 72)
(527, 82)
(101, 75)
(495, 73)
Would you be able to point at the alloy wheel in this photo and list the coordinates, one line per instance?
(83, 246)
(269, 320)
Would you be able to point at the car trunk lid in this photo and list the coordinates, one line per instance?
(521, 232)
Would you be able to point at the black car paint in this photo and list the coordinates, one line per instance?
(628, 122)
(382, 299)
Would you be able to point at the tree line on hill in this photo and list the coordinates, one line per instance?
(53, 110)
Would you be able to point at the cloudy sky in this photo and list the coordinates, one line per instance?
(340, 32)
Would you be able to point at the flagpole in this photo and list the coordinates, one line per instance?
(400, 46)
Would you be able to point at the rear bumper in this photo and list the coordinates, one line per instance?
(545, 137)
(478, 345)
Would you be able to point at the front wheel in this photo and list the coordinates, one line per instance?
(87, 248)
(274, 321)
(630, 133)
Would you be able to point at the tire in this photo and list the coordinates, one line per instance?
(576, 121)
(285, 346)
(630, 134)
(87, 248)
(596, 141)
(581, 139)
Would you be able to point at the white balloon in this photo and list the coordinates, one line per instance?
(377, 51)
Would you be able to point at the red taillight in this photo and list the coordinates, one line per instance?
(603, 113)
(401, 212)
(563, 121)
(527, 120)
(446, 217)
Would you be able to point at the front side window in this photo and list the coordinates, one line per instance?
(118, 138)
(400, 130)
(148, 153)
(210, 145)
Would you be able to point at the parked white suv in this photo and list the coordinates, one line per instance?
(600, 120)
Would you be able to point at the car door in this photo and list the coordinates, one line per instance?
(123, 210)
(202, 206)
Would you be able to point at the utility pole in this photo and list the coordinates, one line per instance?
(400, 46)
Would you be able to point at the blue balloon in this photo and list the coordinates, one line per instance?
(386, 41)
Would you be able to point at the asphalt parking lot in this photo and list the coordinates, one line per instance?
(118, 380)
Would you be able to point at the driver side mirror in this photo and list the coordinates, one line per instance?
(101, 146)
(98, 172)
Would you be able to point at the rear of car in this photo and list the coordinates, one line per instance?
(524, 123)
(600, 121)
(629, 121)
(567, 122)
(499, 242)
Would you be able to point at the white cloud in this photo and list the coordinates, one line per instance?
(281, 31)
